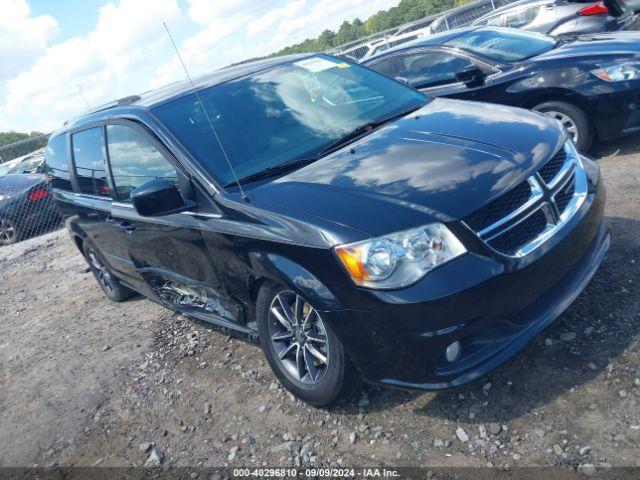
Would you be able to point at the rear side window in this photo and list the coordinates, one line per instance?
(135, 161)
(57, 163)
(522, 18)
(386, 67)
(89, 158)
(494, 21)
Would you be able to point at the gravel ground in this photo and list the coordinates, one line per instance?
(84, 381)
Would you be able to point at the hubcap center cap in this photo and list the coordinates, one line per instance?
(299, 335)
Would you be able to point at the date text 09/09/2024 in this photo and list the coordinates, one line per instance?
(315, 473)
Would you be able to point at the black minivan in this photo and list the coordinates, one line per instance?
(358, 228)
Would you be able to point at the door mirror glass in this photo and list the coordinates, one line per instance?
(472, 77)
(158, 197)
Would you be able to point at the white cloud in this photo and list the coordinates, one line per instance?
(105, 63)
(128, 51)
(239, 29)
(23, 37)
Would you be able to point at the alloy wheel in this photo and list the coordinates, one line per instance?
(299, 337)
(104, 277)
(7, 232)
(567, 123)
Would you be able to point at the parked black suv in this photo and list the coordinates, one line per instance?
(359, 228)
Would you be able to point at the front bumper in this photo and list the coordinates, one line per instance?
(398, 338)
(616, 112)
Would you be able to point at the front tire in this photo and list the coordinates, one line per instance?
(573, 119)
(302, 350)
(109, 284)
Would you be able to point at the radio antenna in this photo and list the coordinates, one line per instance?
(206, 114)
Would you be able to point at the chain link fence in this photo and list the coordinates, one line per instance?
(27, 207)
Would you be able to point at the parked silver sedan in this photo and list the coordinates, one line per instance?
(558, 17)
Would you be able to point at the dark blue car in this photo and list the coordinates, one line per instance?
(589, 83)
(358, 228)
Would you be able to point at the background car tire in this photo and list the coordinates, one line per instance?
(338, 382)
(564, 112)
(109, 284)
(10, 232)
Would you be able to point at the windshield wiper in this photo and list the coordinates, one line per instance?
(275, 170)
(356, 133)
(339, 143)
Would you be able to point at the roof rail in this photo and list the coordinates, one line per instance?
(128, 100)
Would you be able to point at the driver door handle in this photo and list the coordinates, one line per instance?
(121, 226)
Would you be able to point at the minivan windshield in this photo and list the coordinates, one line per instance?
(504, 44)
(284, 115)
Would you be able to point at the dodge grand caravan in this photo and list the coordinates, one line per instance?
(356, 227)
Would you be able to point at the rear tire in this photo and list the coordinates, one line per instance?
(10, 232)
(109, 284)
(296, 352)
(573, 119)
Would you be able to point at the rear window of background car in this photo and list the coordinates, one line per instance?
(89, 158)
(57, 163)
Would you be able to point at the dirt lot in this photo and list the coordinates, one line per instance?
(87, 382)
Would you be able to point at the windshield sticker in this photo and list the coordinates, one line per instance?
(315, 64)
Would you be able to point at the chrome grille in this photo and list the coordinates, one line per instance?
(529, 214)
(553, 166)
(499, 208)
(564, 196)
(521, 234)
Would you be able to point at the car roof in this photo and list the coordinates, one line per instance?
(435, 39)
(173, 90)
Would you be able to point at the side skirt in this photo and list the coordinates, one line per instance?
(208, 318)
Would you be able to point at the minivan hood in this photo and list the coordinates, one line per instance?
(440, 163)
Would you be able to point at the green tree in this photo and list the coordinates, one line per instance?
(16, 144)
(406, 11)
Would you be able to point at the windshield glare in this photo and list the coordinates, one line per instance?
(283, 114)
(502, 44)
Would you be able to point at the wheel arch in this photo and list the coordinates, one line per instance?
(558, 95)
(79, 242)
(271, 267)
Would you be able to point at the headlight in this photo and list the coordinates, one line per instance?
(399, 259)
(619, 73)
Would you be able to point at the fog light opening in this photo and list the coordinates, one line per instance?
(453, 352)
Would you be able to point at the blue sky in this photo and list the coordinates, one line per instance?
(56, 53)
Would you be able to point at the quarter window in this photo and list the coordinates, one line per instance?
(57, 163)
(430, 69)
(135, 161)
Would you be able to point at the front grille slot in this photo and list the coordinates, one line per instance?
(564, 196)
(553, 166)
(524, 232)
(499, 208)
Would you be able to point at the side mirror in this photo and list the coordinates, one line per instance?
(158, 197)
(472, 77)
(402, 80)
